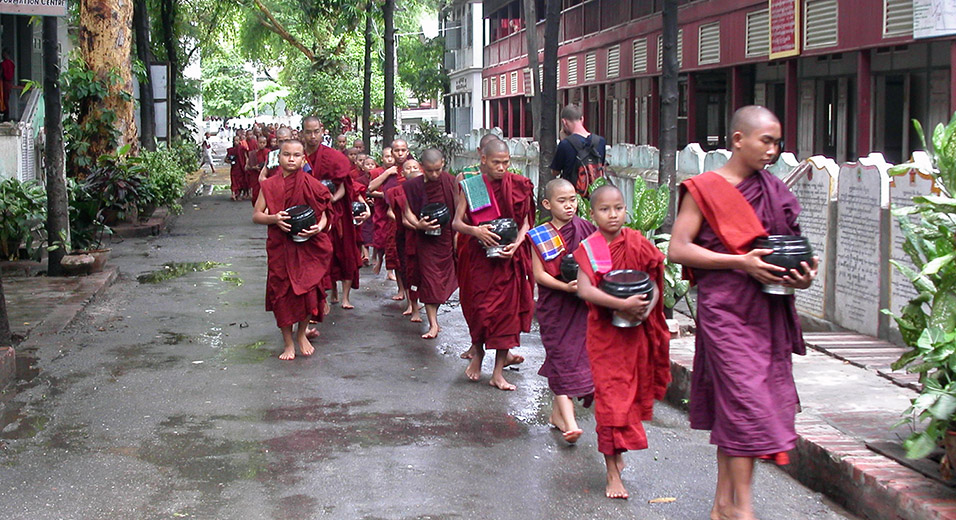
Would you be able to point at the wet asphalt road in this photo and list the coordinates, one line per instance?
(167, 400)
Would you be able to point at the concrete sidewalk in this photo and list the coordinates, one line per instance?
(848, 413)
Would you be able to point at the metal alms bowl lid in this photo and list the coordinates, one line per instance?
(358, 207)
(626, 282)
(506, 228)
(300, 212)
(436, 211)
(781, 242)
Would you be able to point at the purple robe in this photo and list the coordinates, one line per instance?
(563, 320)
(436, 253)
(742, 387)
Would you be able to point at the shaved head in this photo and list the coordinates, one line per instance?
(399, 142)
(554, 185)
(747, 118)
(283, 133)
(432, 156)
(495, 146)
(604, 191)
(311, 119)
(485, 139)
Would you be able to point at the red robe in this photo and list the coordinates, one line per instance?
(389, 229)
(262, 155)
(631, 366)
(406, 240)
(435, 253)
(379, 214)
(330, 164)
(237, 173)
(497, 294)
(295, 269)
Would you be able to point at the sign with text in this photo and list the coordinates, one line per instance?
(34, 7)
(784, 28)
(932, 18)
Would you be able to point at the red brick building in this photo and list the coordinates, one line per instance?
(851, 85)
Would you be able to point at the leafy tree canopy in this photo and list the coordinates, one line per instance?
(226, 85)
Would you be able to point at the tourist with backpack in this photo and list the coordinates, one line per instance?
(579, 158)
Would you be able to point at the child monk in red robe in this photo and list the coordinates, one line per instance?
(562, 316)
(296, 269)
(379, 209)
(498, 303)
(406, 240)
(630, 366)
(436, 253)
(254, 164)
(236, 157)
(742, 387)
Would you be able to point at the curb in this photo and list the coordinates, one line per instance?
(153, 226)
(828, 461)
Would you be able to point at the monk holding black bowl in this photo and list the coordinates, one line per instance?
(742, 388)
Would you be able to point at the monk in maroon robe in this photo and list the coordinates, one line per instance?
(254, 164)
(406, 239)
(562, 316)
(435, 253)
(742, 386)
(236, 157)
(379, 209)
(498, 304)
(630, 365)
(295, 269)
(329, 164)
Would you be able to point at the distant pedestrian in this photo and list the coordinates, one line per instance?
(630, 365)
(7, 77)
(581, 156)
(207, 153)
(742, 387)
(237, 175)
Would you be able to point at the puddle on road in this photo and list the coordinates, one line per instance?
(246, 354)
(231, 277)
(172, 270)
(19, 423)
(174, 338)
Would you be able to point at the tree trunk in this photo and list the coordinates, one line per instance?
(105, 41)
(367, 81)
(667, 169)
(57, 207)
(6, 337)
(548, 137)
(531, 36)
(167, 16)
(147, 108)
(388, 127)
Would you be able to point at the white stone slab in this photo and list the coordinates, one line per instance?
(715, 159)
(902, 190)
(690, 161)
(816, 191)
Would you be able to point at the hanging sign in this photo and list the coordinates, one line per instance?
(34, 7)
(784, 28)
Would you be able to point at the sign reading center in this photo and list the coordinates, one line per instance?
(784, 28)
(34, 7)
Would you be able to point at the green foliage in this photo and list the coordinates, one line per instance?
(115, 182)
(928, 321)
(86, 226)
(187, 155)
(429, 135)
(421, 66)
(165, 181)
(84, 93)
(226, 85)
(22, 215)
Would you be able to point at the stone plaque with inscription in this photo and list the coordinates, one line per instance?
(816, 191)
(862, 193)
(902, 190)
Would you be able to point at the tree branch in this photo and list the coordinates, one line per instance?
(277, 28)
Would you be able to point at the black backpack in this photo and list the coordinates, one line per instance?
(590, 166)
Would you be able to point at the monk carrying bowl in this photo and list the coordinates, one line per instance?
(507, 231)
(438, 212)
(788, 253)
(624, 283)
(301, 217)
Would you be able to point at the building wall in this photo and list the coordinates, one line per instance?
(464, 41)
(831, 99)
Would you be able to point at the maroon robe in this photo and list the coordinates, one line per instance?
(295, 269)
(237, 169)
(436, 253)
(498, 298)
(563, 320)
(406, 240)
(389, 229)
(379, 214)
(630, 366)
(742, 387)
(328, 164)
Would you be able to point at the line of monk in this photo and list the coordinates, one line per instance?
(742, 387)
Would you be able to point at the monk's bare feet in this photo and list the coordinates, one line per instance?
(377, 268)
(615, 486)
(306, 348)
(311, 333)
(498, 381)
(572, 436)
(327, 309)
(288, 353)
(334, 299)
(432, 333)
(474, 367)
(513, 359)
(407, 311)
(391, 276)
(399, 297)
(468, 354)
(557, 422)
(347, 305)
(416, 317)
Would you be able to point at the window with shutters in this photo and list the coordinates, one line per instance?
(494, 86)
(897, 18)
(503, 85)
(573, 70)
(639, 56)
(758, 33)
(708, 39)
(590, 67)
(484, 87)
(614, 61)
(514, 82)
(680, 50)
(820, 23)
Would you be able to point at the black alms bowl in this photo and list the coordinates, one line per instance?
(330, 185)
(301, 217)
(436, 211)
(358, 207)
(506, 229)
(569, 268)
(788, 251)
(624, 283)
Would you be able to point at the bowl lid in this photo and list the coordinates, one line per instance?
(302, 210)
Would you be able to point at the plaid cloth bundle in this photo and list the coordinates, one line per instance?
(548, 241)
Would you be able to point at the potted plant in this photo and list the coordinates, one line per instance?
(115, 180)
(87, 230)
(22, 214)
(165, 179)
(928, 321)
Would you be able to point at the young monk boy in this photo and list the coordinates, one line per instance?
(742, 388)
(497, 301)
(436, 253)
(406, 240)
(236, 157)
(630, 366)
(295, 269)
(562, 316)
(379, 209)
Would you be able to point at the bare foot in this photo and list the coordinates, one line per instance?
(377, 269)
(347, 305)
(306, 348)
(431, 334)
(513, 359)
(468, 354)
(572, 436)
(407, 311)
(327, 309)
(399, 297)
(474, 368)
(391, 275)
(557, 422)
(311, 333)
(287, 354)
(500, 383)
(615, 488)
(334, 299)
(416, 317)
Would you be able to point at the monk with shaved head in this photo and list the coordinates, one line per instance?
(742, 388)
